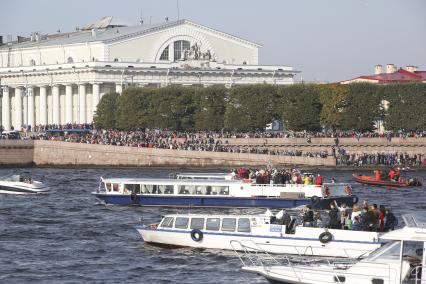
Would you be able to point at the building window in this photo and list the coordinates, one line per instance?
(32, 62)
(70, 60)
(165, 54)
(180, 47)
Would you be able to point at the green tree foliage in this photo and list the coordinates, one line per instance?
(301, 107)
(332, 98)
(406, 106)
(210, 108)
(361, 107)
(250, 107)
(106, 113)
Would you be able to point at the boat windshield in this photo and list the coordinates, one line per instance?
(412, 251)
(390, 250)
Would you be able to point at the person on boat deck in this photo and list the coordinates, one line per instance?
(368, 219)
(355, 212)
(347, 225)
(356, 223)
(308, 216)
(391, 222)
(283, 218)
(382, 215)
(397, 174)
(378, 174)
(343, 210)
(306, 180)
(318, 223)
(318, 180)
(391, 174)
(334, 218)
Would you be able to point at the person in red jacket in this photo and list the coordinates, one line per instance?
(318, 180)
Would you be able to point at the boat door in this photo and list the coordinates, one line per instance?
(413, 253)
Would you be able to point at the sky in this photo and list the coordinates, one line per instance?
(327, 40)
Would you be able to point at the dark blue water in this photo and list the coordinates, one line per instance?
(66, 236)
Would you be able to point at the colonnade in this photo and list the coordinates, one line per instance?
(57, 104)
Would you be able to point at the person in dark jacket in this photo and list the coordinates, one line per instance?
(334, 217)
(308, 217)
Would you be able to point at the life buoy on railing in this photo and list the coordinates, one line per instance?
(196, 235)
(315, 201)
(325, 237)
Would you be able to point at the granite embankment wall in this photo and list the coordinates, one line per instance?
(52, 153)
(351, 145)
(16, 153)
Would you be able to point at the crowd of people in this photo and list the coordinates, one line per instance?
(362, 217)
(216, 142)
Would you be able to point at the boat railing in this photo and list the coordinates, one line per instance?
(416, 274)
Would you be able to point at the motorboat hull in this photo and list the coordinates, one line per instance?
(305, 241)
(370, 180)
(220, 202)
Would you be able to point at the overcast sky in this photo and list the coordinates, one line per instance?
(328, 40)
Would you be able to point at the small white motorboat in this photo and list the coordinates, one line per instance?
(17, 184)
(401, 260)
(255, 232)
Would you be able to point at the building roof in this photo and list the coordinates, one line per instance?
(399, 76)
(107, 30)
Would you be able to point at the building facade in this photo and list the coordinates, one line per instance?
(391, 75)
(60, 78)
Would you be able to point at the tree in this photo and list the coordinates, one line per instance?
(106, 112)
(361, 108)
(332, 98)
(301, 107)
(250, 107)
(406, 106)
(210, 108)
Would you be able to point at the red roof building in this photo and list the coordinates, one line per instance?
(408, 74)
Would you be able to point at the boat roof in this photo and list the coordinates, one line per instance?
(217, 215)
(415, 229)
(171, 181)
(204, 174)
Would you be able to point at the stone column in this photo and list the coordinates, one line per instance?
(68, 104)
(43, 105)
(118, 88)
(31, 108)
(25, 107)
(18, 108)
(95, 97)
(82, 101)
(56, 117)
(5, 108)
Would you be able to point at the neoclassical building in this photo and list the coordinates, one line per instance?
(60, 78)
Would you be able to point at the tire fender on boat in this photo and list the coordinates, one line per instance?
(196, 235)
(325, 237)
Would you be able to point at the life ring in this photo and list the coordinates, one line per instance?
(196, 235)
(325, 237)
(315, 201)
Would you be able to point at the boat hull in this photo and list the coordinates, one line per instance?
(373, 181)
(348, 244)
(220, 202)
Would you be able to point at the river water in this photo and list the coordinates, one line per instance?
(67, 236)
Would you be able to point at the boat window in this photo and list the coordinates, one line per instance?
(197, 223)
(208, 190)
(156, 189)
(224, 190)
(186, 189)
(228, 224)
(146, 188)
(200, 190)
(167, 222)
(244, 225)
(181, 222)
(132, 188)
(166, 189)
(108, 187)
(115, 187)
(213, 224)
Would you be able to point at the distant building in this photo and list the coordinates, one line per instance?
(60, 78)
(392, 75)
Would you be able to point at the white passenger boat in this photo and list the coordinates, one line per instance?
(17, 184)
(219, 191)
(401, 260)
(255, 232)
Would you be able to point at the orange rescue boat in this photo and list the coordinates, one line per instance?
(374, 180)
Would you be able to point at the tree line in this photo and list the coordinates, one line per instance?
(249, 108)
